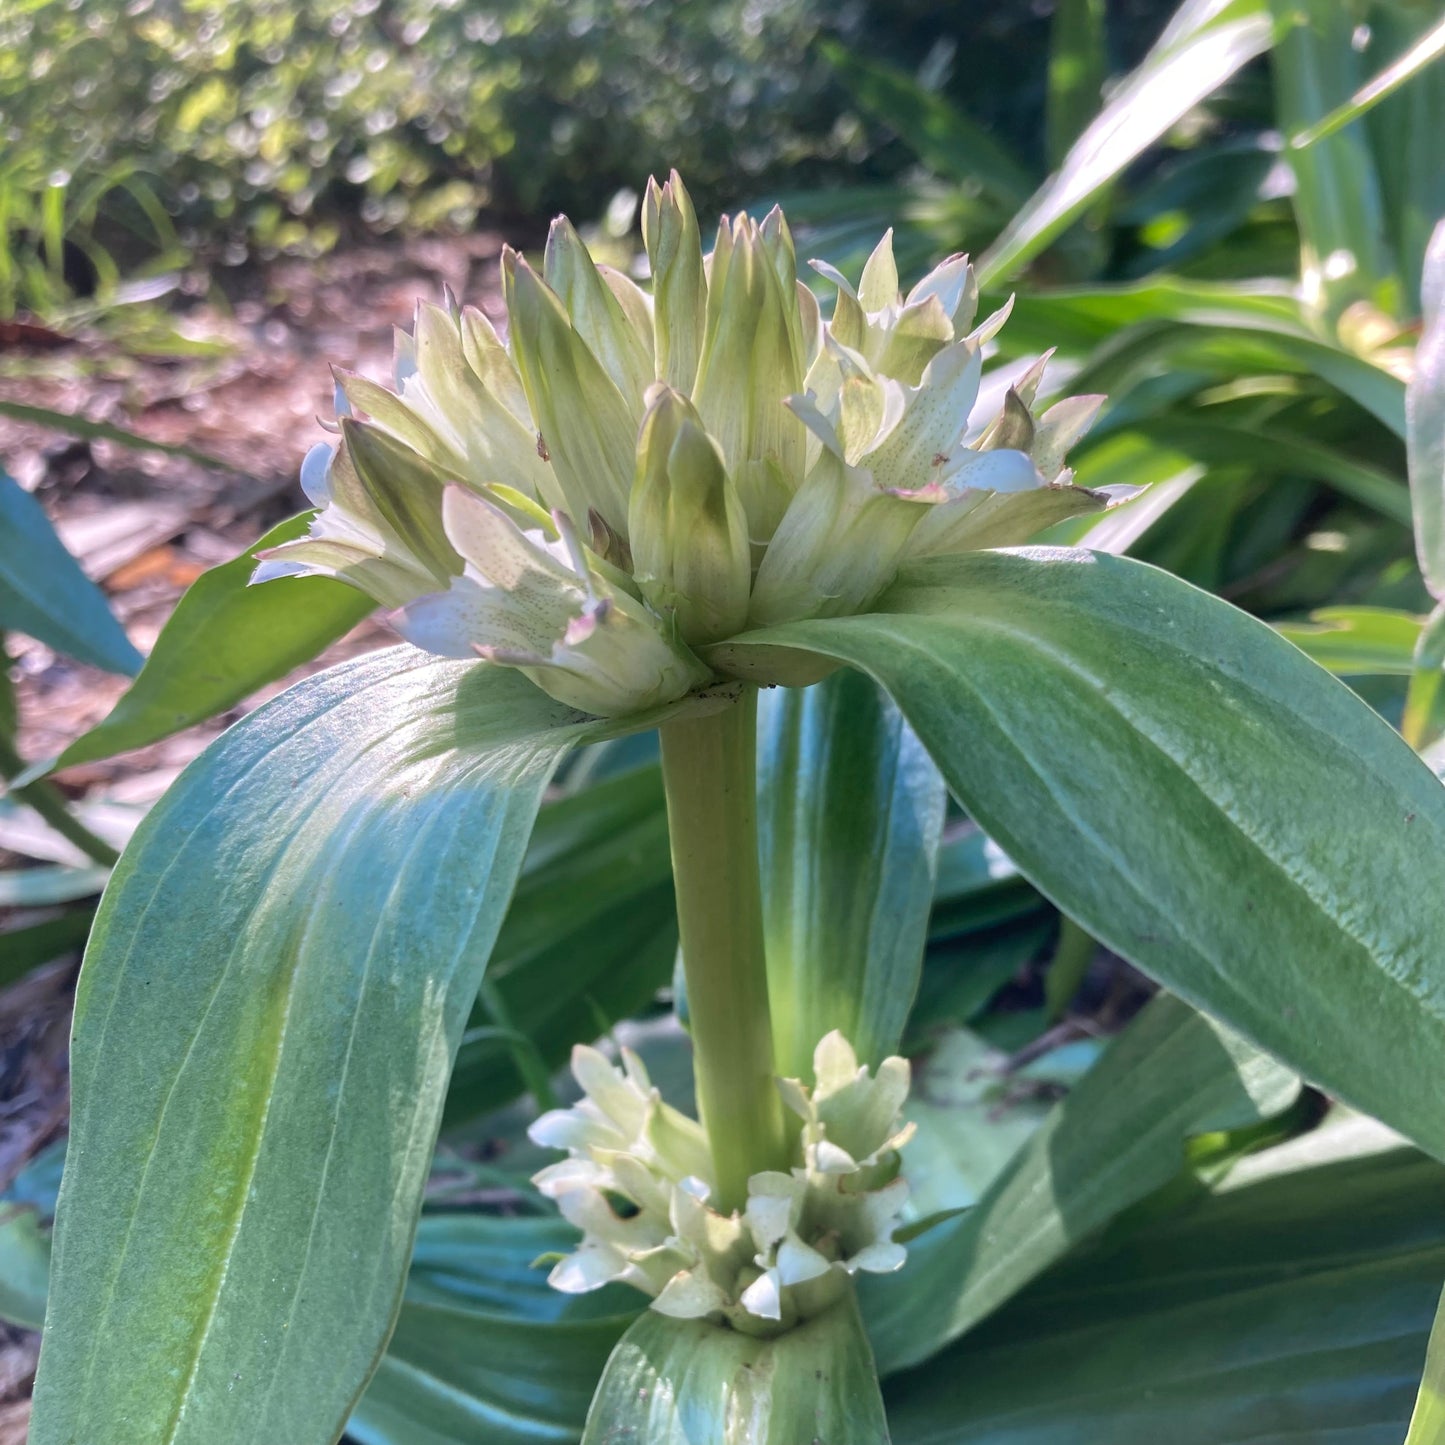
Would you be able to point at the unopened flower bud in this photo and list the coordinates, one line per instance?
(752, 359)
(689, 534)
(586, 428)
(679, 292)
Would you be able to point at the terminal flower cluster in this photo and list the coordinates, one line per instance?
(632, 476)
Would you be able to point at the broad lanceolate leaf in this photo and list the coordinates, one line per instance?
(1205, 43)
(483, 1349)
(1193, 791)
(686, 1382)
(44, 594)
(224, 641)
(850, 812)
(276, 984)
(1425, 422)
(1117, 1137)
(1291, 1308)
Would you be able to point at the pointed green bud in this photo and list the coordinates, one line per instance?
(689, 534)
(752, 358)
(597, 314)
(679, 293)
(586, 428)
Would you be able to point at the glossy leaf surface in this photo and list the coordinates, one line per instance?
(1105, 722)
(275, 986)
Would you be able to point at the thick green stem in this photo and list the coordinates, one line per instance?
(709, 769)
(48, 802)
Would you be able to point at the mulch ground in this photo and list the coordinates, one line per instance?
(145, 525)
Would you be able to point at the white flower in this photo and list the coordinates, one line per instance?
(638, 1179)
(541, 604)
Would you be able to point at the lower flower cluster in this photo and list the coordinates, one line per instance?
(637, 1183)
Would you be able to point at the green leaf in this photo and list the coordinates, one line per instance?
(941, 135)
(22, 949)
(1118, 1136)
(1358, 641)
(44, 594)
(224, 641)
(1105, 722)
(590, 936)
(1426, 51)
(1427, 1423)
(1425, 428)
(1078, 65)
(275, 987)
(850, 813)
(686, 1382)
(1290, 1307)
(1336, 195)
(484, 1349)
(1206, 42)
(1269, 450)
(40, 887)
(24, 1267)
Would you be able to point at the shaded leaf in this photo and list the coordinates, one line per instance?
(44, 594)
(850, 812)
(1117, 1137)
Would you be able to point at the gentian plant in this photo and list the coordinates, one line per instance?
(639, 510)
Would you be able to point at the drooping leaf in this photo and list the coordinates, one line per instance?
(275, 987)
(1206, 42)
(850, 812)
(1104, 721)
(1117, 1137)
(483, 1348)
(1290, 1307)
(224, 641)
(44, 594)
